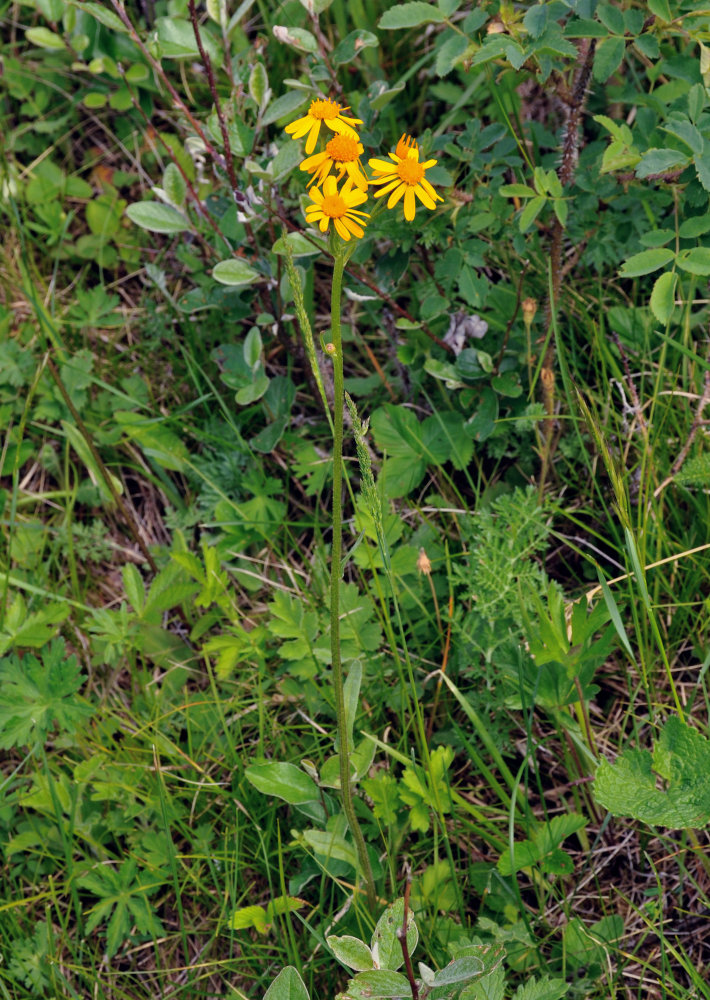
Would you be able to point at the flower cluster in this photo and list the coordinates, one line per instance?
(403, 178)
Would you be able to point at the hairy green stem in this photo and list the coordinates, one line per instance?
(335, 577)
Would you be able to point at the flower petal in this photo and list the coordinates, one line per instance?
(357, 175)
(423, 196)
(324, 223)
(396, 195)
(313, 136)
(410, 204)
(353, 227)
(312, 162)
(316, 196)
(341, 230)
(330, 187)
(430, 190)
(304, 123)
(429, 163)
(382, 166)
(356, 198)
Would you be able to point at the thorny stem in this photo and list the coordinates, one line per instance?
(335, 577)
(570, 151)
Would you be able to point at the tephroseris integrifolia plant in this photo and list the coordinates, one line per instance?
(338, 188)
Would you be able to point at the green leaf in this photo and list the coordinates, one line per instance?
(381, 983)
(248, 916)
(687, 133)
(351, 951)
(663, 296)
(285, 106)
(490, 987)
(661, 8)
(543, 989)
(102, 14)
(646, 262)
(681, 756)
(297, 38)
(410, 15)
(234, 271)
(385, 945)
(176, 40)
(157, 218)
(607, 58)
(694, 226)
(300, 245)
(44, 38)
(472, 963)
(351, 46)
(612, 17)
(531, 212)
(659, 161)
(535, 20)
(285, 781)
(450, 53)
(702, 165)
(695, 261)
(331, 845)
(174, 184)
(517, 191)
(288, 985)
(37, 695)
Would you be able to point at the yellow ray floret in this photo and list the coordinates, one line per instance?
(341, 152)
(338, 207)
(405, 176)
(322, 110)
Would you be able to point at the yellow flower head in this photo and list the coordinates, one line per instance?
(322, 110)
(405, 176)
(342, 152)
(338, 207)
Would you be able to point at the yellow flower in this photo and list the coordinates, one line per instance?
(342, 152)
(338, 207)
(322, 110)
(405, 176)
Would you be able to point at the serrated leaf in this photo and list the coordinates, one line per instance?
(629, 786)
(542, 989)
(695, 261)
(607, 58)
(535, 20)
(38, 694)
(234, 272)
(659, 161)
(450, 53)
(410, 15)
(661, 8)
(248, 916)
(157, 218)
(351, 951)
(285, 781)
(646, 262)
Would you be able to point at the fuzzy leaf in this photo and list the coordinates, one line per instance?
(288, 985)
(351, 951)
(156, 217)
(410, 15)
(386, 948)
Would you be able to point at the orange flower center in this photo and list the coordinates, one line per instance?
(342, 148)
(410, 171)
(333, 206)
(324, 109)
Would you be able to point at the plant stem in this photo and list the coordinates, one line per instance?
(335, 576)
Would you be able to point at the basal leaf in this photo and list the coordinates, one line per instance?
(630, 786)
(284, 780)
